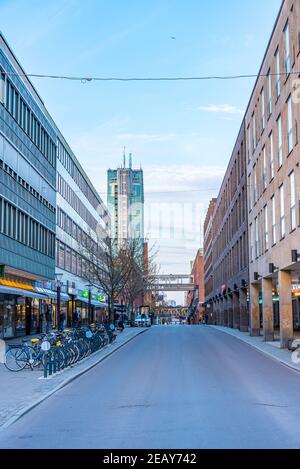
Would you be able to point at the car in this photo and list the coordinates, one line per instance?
(142, 320)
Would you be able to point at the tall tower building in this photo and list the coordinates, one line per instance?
(125, 200)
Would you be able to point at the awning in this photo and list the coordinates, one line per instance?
(99, 304)
(96, 303)
(52, 294)
(84, 300)
(18, 291)
(64, 297)
(45, 291)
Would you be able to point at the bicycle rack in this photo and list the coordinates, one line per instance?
(53, 362)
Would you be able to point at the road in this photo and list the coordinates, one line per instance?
(172, 387)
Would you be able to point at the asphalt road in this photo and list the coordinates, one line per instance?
(172, 387)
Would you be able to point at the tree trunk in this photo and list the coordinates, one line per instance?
(110, 309)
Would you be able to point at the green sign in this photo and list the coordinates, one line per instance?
(85, 294)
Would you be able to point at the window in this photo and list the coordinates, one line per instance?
(250, 193)
(2, 88)
(282, 218)
(255, 184)
(271, 156)
(292, 201)
(270, 92)
(249, 142)
(287, 50)
(74, 263)
(253, 132)
(256, 237)
(61, 256)
(266, 227)
(251, 243)
(68, 260)
(264, 168)
(262, 97)
(277, 60)
(279, 130)
(290, 125)
(274, 240)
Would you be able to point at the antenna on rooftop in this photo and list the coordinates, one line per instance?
(124, 157)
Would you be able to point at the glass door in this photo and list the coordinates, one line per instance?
(9, 306)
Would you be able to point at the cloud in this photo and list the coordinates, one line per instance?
(221, 109)
(144, 137)
(168, 178)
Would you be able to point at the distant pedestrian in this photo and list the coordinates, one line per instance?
(206, 319)
(121, 325)
(48, 318)
(77, 318)
(62, 321)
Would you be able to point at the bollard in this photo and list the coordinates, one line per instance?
(50, 362)
(46, 364)
(2, 351)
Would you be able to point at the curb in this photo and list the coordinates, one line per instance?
(264, 352)
(34, 404)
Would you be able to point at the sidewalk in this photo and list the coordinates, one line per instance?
(272, 349)
(21, 391)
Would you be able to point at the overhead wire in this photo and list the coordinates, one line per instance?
(85, 78)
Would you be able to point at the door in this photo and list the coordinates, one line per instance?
(28, 316)
(9, 305)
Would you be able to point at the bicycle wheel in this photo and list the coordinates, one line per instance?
(15, 359)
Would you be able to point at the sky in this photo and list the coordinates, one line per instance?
(181, 133)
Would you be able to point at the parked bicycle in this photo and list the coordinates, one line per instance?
(20, 356)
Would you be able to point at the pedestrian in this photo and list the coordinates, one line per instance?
(48, 318)
(121, 325)
(206, 319)
(62, 321)
(43, 318)
(78, 317)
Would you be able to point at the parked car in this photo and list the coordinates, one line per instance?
(142, 320)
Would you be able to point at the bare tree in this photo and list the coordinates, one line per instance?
(107, 268)
(120, 270)
(140, 278)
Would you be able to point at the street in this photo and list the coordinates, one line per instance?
(172, 387)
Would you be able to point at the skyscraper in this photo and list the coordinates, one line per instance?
(125, 200)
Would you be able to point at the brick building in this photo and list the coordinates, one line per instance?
(195, 297)
(227, 254)
(273, 156)
(207, 254)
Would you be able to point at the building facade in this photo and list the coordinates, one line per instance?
(227, 253)
(125, 201)
(49, 210)
(195, 297)
(82, 220)
(207, 259)
(27, 198)
(273, 157)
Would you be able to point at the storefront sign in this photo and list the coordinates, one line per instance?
(14, 284)
(72, 291)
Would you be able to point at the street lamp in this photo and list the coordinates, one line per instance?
(58, 277)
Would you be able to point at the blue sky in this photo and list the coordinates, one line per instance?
(181, 133)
